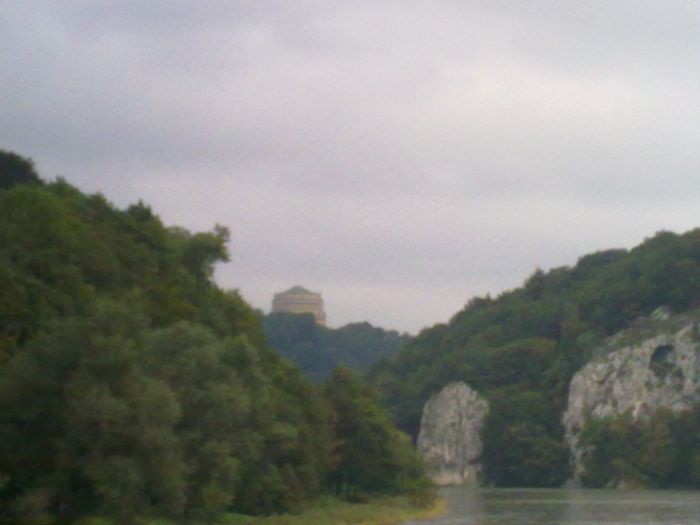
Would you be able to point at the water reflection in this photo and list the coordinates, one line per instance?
(568, 507)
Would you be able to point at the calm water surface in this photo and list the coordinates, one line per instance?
(568, 507)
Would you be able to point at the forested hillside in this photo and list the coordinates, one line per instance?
(318, 350)
(521, 349)
(131, 385)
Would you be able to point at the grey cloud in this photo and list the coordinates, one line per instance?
(399, 156)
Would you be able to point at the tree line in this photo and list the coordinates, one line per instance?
(133, 387)
(318, 350)
(521, 349)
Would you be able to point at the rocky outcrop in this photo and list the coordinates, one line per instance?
(450, 435)
(655, 364)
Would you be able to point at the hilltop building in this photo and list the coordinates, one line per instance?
(299, 300)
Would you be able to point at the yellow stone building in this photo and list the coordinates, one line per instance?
(299, 300)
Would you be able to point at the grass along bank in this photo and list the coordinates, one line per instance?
(330, 511)
(327, 511)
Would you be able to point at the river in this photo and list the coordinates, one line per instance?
(568, 507)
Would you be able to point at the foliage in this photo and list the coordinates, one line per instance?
(370, 456)
(530, 341)
(16, 170)
(519, 447)
(107, 416)
(318, 350)
(132, 388)
(662, 450)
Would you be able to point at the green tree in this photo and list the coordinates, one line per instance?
(660, 450)
(130, 384)
(318, 349)
(100, 430)
(16, 170)
(520, 448)
(370, 455)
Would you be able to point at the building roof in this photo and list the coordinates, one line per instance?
(297, 289)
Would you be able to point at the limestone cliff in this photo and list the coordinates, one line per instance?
(654, 364)
(450, 435)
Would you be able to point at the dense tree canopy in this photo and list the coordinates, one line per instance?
(319, 350)
(370, 454)
(660, 451)
(132, 386)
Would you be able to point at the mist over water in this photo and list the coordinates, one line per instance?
(568, 507)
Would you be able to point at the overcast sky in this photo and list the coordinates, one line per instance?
(398, 156)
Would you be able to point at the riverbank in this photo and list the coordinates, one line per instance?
(326, 511)
(383, 511)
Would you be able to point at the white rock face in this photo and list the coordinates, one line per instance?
(658, 371)
(450, 435)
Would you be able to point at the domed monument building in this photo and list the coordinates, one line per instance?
(299, 300)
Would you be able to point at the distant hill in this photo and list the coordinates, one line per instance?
(521, 349)
(318, 350)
